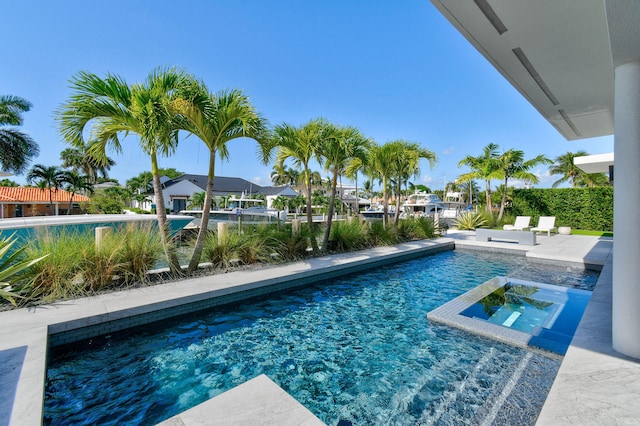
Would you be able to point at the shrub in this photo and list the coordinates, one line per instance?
(58, 275)
(347, 236)
(470, 221)
(220, 253)
(139, 248)
(379, 235)
(580, 208)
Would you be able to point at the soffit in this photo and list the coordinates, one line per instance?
(555, 53)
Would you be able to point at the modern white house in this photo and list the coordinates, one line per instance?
(578, 64)
(178, 192)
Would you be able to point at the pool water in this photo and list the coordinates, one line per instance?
(355, 350)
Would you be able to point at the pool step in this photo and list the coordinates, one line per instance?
(506, 391)
(450, 397)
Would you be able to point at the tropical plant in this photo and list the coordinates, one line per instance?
(348, 235)
(340, 147)
(381, 164)
(219, 251)
(74, 183)
(300, 145)
(511, 164)
(592, 180)
(406, 163)
(280, 202)
(482, 167)
(80, 161)
(16, 148)
(48, 178)
(103, 202)
(57, 276)
(117, 109)
(469, 188)
(564, 165)
(13, 268)
(216, 119)
(9, 183)
(470, 221)
(380, 235)
(197, 200)
(138, 250)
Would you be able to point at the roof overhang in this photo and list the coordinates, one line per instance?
(598, 163)
(555, 53)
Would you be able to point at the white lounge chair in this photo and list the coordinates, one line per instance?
(546, 223)
(521, 224)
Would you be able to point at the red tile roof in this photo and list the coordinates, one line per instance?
(36, 195)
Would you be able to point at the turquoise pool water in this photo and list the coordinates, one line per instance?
(355, 350)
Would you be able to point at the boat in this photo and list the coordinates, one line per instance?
(421, 204)
(26, 227)
(241, 210)
(377, 212)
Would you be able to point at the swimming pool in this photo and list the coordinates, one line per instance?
(357, 348)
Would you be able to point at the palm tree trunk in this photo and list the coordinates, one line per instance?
(51, 201)
(396, 216)
(327, 231)
(163, 225)
(314, 243)
(204, 223)
(488, 195)
(503, 202)
(70, 204)
(385, 203)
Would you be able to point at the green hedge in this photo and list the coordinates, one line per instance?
(579, 208)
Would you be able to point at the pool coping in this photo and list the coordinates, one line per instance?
(26, 333)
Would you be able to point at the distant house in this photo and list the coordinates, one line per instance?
(24, 202)
(178, 192)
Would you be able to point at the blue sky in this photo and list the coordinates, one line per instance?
(395, 70)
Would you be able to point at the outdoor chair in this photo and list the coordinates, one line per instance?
(546, 223)
(521, 224)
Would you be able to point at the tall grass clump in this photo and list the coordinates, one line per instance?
(289, 246)
(76, 267)
(349, 235)
(416, 229)
(58, 275)
(220, 251)
(139, 247)
(379, 235)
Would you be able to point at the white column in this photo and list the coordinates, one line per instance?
(626, 211)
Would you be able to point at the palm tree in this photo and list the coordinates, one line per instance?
(564, 165)
(280, 202)
(74, 183)
(406, 163)
(340, 145)
(217, 119)
(592, 180)
(116, 109)
(469, 188)
(300, 145)
(44, 177)
(511, 164)
(16, 148)
(197, 200)
(80, 161)
(482, 167)
(381, 164)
